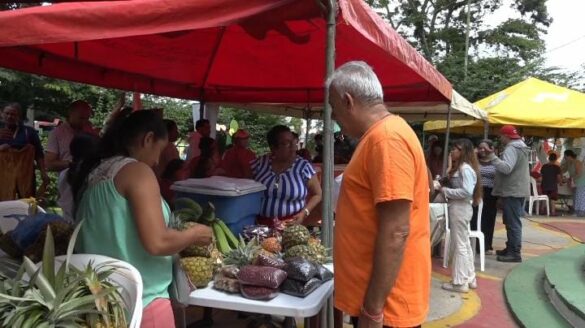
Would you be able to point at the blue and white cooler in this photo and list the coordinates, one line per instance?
(237, 201)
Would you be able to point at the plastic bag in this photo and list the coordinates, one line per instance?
(300, 269)
(263, 260)
(323, 273)
(28, 229)
(261, 276)
(226, 284)
(259, 293)
(230, 271)
(299, 288)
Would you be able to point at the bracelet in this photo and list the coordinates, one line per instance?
(307, 211)
(374, 317)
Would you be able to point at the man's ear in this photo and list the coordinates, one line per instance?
(349, 101)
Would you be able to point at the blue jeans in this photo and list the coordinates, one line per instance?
(513, 211)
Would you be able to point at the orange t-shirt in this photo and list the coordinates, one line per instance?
(387, 165)
(236, 162)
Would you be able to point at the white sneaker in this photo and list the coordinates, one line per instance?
(455, 288)
(473, 284)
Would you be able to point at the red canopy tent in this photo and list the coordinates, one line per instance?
(226, 51)
(213, 50)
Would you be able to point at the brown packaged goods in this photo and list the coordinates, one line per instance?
(226, 284)
(259, 293)
(263, 260)
(261, 276)
(230, 271)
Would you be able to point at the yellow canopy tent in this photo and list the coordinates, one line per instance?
(535, 107)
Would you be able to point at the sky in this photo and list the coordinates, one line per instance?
(565, 40)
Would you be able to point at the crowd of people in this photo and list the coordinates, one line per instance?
(117, 181)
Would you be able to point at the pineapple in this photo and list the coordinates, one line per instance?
(244, 254)
(319, 253)
(198, 269)
(315, 253)
(294, 235)
(62, 297)
(194, 250)
(272, 245)
(314, 241)
(299, 251)
(216, 260)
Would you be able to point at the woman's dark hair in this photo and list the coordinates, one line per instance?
(487, 142)
(468, 156)
(14, 105)
(570, 153)
(82, 147)
(172, 168)
(121, 134)
(274, 134)
(170, 124)
(206, 145)
(552, 157)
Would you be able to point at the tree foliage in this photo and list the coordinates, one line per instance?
(500, 55)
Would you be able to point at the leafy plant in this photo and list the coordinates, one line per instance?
(67, 297)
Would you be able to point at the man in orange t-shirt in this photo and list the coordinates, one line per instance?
(382, 236)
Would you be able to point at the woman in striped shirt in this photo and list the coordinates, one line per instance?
(288, 178)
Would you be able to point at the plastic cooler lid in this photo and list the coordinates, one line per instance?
(218, 186)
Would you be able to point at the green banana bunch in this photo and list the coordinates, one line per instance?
(226, 241)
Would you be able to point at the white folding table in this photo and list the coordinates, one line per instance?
(282, 305)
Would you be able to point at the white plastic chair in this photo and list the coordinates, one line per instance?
(447, 241)
(472, 234)
(536, 198)
(477, 233)
(126, 276)
(13, 207)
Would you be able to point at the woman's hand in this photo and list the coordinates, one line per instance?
(4, 147)
(298, 218)
(203, 234)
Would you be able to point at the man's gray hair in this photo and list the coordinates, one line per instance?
(359, 80)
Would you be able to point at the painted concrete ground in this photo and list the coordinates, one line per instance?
(484, 307)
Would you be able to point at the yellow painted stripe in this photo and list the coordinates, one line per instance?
(469, 309)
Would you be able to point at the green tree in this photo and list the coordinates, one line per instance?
(499, 56)
(257, 124)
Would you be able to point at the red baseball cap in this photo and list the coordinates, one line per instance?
(510, 132)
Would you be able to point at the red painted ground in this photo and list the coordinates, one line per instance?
(577, 229)
(494, 312)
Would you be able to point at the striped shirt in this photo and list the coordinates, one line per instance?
(488, 174)
(285, 192)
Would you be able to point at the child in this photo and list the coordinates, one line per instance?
(551, 177)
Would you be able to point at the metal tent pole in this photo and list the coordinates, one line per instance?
(486, 129)
(447, 136)
(327, 215)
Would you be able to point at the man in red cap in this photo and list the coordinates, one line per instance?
(512, 185)
(236, 160)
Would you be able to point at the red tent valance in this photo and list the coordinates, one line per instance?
(214, 50)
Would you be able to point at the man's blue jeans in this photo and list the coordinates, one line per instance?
(513, 211)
